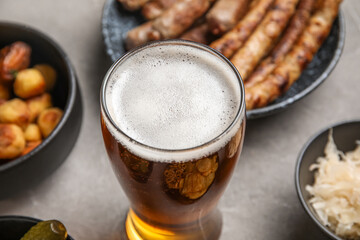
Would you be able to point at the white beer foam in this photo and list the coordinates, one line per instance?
(172, 97)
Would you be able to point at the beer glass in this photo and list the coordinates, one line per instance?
(173, 121)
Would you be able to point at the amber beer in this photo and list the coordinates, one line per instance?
(172, 117)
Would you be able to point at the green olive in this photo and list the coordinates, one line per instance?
(46, 230)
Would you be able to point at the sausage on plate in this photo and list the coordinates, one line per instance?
(293, 31)
(224, 15)
(171, 24)
(289, 70)
(235, 38)
(179, 17)
(264, 37)
(141, 34)
(199, 33)
(155, 8)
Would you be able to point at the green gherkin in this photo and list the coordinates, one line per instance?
(46, 230)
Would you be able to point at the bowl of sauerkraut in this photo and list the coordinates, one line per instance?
(327, 180)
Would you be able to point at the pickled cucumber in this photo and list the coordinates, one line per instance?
(46, 230)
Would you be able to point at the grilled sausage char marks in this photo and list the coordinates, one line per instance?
(171, 24)
(287, 41)
(229, 43)
(264, 37)
(289, 70)
(155, 8)
(225, 14)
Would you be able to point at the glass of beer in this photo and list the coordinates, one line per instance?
(173, 121)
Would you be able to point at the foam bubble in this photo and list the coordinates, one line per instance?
(172, 97)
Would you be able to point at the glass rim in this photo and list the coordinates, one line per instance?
(239, 115)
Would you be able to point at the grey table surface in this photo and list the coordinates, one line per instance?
(260, 201)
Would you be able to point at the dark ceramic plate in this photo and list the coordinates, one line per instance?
(345, 134)
(116, 22)
(14, 227)
(25, 171)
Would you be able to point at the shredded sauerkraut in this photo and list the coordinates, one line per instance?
(336, 190)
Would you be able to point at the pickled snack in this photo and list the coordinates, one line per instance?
(335, 191)
(46, 230)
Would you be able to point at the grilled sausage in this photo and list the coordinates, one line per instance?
(293, 31)
(180, 17)
(200, 34)
(155, 8)
(235, 38)
(141, 34)
(224, 15)
(289, 70)
(171, 24)
(264, 37)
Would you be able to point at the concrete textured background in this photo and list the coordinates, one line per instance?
(260, 202)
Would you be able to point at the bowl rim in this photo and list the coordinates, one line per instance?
(299, 160)
(26, 219)
(70, 100)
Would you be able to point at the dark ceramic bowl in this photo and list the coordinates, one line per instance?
(345, 134)
(28, 170)
(14, 227)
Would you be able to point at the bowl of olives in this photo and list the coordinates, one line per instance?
(28, 228)
(40, 107)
